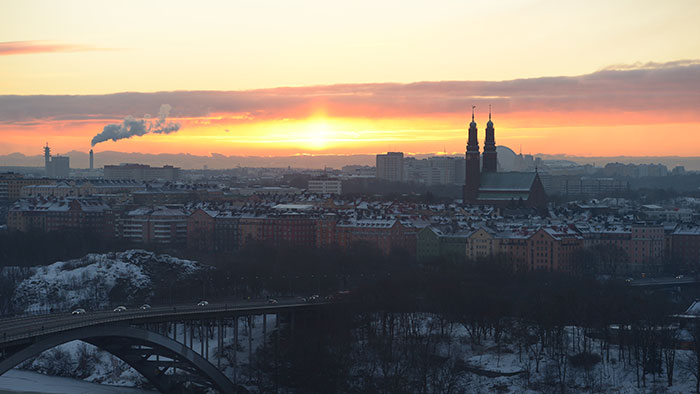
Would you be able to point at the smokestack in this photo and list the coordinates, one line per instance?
(92, 158)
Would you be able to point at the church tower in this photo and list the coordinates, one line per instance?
(490, 155)
(47, 160)
(472, 172)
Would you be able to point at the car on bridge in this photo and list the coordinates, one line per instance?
(313, 298)
(272, 301)
(145, 307)
(203, 303)
(120, 308)
(79, 311)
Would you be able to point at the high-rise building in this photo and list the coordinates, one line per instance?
(56, 166)
(60, 167)
(390, 166)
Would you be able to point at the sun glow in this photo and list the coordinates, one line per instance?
(317, 136)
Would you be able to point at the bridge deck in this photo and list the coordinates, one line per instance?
(21, 329)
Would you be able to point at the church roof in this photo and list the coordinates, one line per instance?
(506, 195)
(506, 181)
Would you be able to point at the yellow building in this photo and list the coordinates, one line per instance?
(482, 243)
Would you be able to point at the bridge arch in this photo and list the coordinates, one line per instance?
(136, 347)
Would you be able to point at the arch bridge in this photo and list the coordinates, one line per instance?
(148, 340)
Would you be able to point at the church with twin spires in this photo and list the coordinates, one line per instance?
(484, 185)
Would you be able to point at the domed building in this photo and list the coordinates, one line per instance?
(506, 158)
(484, 185)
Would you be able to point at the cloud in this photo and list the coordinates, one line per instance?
(131, 127)
(29, 47)
(668, 88)
(652, 65)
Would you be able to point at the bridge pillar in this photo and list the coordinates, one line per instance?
(250, 346)
(219, 342)
(201, 338)
(235, 349)
(207, 326)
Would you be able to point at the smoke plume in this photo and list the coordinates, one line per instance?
(131, 127)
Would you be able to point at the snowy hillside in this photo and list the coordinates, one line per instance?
(100, 280)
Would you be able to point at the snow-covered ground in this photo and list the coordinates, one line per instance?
(92, 281)
(16, 381)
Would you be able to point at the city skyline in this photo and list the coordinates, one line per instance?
(246, 79)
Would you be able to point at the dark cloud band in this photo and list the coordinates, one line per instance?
(673, 87)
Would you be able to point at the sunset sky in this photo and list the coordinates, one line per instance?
(593, 78)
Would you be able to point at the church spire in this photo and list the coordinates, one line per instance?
(490, 157)
(473, 141)
(472, 173)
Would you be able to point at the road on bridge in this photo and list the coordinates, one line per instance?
(19, 328)
(662, 281)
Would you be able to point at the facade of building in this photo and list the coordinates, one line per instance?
(325, 185)
(436, 170)
(11, 185)
(643, 245)
(482, 243)
(586, 186)
(385, 234)
(226, 232)
(59, 167)
(58, 214)
(153, 225)
(554, 249)
(141, 172)
(440, 241)
(201, 226)
(685, 246)
(390, 166)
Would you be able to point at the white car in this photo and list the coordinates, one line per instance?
(203, 303)
(79, 311)
(120, 308)
(272, 301)
(144, 307)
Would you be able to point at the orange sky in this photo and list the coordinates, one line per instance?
(593, 78)
(446, 133)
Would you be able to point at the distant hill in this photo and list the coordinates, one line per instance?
(216, 160)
